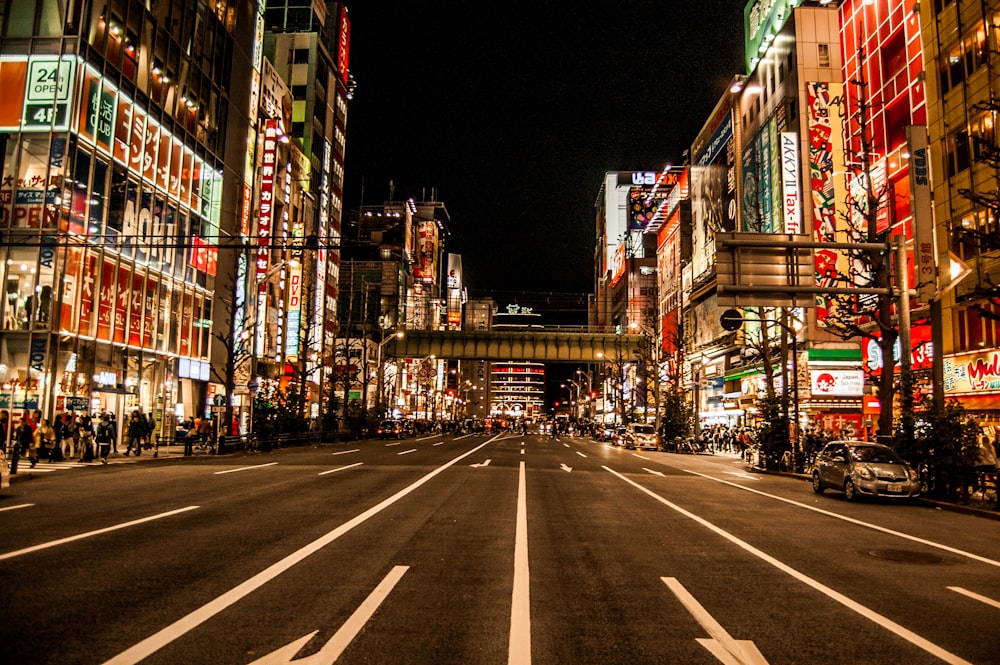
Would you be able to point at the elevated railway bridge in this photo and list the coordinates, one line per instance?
(521, 345)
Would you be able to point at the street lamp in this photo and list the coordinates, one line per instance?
(380, 370)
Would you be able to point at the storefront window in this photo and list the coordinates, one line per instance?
(77, 189)
(19, 288)
(98, 196)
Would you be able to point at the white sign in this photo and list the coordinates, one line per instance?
(837, 382)
(790, 204)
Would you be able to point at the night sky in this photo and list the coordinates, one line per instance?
(514, 110)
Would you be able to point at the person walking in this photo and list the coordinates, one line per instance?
(136, 432)
(24, 441)
(85, 434)
(45, 441)
(103, 437)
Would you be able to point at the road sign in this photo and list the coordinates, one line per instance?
(731, 320)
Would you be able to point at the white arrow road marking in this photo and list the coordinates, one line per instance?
(721, 645)
(192, 620)
(407, 452)
(976, 596)
(97, 532)
(341, 468)
(565, 468)
(481, 464)
(580, 454)
(23, 505)
(244, 468)
(519, 647)
(344, 452)
(655, 473)
(335, 646)
(833, 594)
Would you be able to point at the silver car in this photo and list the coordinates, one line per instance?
(860, 468)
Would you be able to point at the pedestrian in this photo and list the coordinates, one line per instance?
(113, 423)
(24, 440)
(5, 428)
(150, 428)
(67, 435)
(104, 437)
(136, 432)
(45, 442)
(85, 433)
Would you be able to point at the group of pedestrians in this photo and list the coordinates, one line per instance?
(70, 436)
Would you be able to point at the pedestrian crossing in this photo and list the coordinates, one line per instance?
(43, 467)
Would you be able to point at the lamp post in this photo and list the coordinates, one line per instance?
(380, 371)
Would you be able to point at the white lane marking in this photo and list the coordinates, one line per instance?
(744, 475)
(407, 452)
(522, 451)
(244, 468)
(332, 650)
(875, 527)
(341, 468)
(640, 456)
(96, 532)
(732, 651)
(389, 445)
(519, 647)
(976, 596)
(166, 635)
(458, 438)
(344, 452)
(424, 438)
(565, 468)
(580, 454)
(23, 505)
(853, 605)
(655, 473)
(479, 465)
(566, 444)
(439, 443)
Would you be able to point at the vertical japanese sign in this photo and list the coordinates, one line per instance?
(266, 209)
(923, 218)
(294, 311)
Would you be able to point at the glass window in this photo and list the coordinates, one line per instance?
(19, 288)
(98, 197)
(77, 190)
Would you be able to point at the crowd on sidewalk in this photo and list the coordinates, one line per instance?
(82, 437)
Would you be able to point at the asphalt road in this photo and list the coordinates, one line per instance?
(482, 550)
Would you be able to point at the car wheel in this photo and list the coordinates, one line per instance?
(850, 492)
(817, 483)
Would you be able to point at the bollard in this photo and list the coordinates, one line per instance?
(15, 451)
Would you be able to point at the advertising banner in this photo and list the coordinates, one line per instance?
(425, 266)
(971, 373)
(837, 382)
(923, 219)
(791, 208)
(266, 203)
(713, 195)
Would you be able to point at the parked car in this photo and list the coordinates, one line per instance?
(389, 429)
(859, 468)
(641, 436)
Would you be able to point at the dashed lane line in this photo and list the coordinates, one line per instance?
(340, 468)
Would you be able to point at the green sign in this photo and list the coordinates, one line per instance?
(48, 94)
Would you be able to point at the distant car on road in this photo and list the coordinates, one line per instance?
(389, 429)
(642, 436)
(859, 468)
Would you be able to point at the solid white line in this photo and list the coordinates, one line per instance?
(23, 505)
(976, 596)
(407, 452)
(97, 532)
(165, 636)
(344, 452)
(341, 468)
(868, 525)
(640, 456)
(244, 468)
(853, 605)
(580, 454)
(519, 647)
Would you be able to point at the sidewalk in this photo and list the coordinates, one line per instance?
(173, 451)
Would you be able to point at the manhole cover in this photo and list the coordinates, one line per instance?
(905, 556)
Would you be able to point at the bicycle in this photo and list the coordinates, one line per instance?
(251, 444)
(203, 444)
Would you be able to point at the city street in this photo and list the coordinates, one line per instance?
(483, 550)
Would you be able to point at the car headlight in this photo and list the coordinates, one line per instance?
(911, 473)
(865, 473)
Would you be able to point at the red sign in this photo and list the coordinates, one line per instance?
(266, 210)
(343, 44)
(106, 301)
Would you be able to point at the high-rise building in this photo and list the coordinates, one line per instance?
(123, 146)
